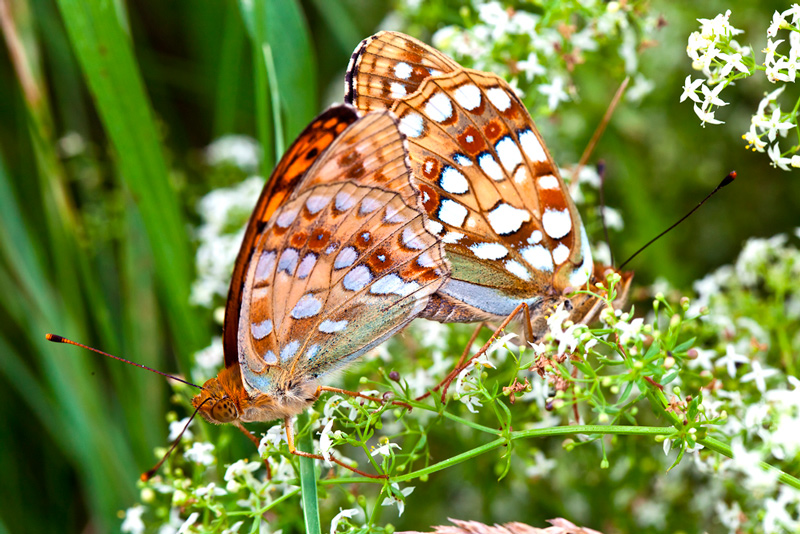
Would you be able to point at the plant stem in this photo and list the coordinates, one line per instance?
(308, 479)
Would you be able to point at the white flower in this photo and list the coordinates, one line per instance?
(393, 499)
(774, 153)
(754, 140)
(531, 66)
(325, 443)
(718, 26)
(706, 117)
(240, 469)
(690, 89)
(629, 330)
(640, 89)
(555, 92)
(385, 449)
(748, 463)
(703, 360)
(211, 490)
(732, 61)
(777, 21)
(541, 467)
(133, 520)
(730, 517)
(201, 453)
(759, 375)
(342, 514)
(191, 520)
(176, 427)
(273, 438)
(731, 358)
(773, 125)
(770, 52)
(210, 358)
(239, 150)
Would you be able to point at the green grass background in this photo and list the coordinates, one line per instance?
(97, 246)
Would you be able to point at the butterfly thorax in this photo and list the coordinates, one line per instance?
(224, 399)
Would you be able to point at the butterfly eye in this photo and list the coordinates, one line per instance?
(224, 411)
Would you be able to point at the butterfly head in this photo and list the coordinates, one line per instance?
(219, 401)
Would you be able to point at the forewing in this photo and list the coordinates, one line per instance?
(338, 269)
(291, 169)
(389, 66)
(487, 179)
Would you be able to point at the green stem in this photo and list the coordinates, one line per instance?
(308, 479)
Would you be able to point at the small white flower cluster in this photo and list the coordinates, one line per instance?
(496, 30)
(722, 60)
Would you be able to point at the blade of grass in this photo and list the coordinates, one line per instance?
(105, 55)
(281, 25)
(308, 479)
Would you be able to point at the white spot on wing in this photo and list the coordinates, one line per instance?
(270, 358)
(346, 257)
(548, 181)
(508, 152)
(315, 203)
(517, 269)
(521, 175)
(402, 70)
(453, 181)
(468, 96)
(388, 284)
(411, 124)
(393, 215)
(307, 306)
(425, 260)
(368, 205)
(491, 167)
(439, 108)
(306, 266)
(556, 223)
(265, 264)
(499, 98)
(357, 279)
(536, 237)
(412, 240)
(560, 254)
(531, 146)
(506, 219)
(434, 227)
(489, 251)
(289, 350)
(344, 201)
(262, 329)
(462, 160)
(452, 213)
(288, 261)
(452, 237)
(398, 90)
(286, 218)
(329, 327)
(311, 352)
(538, 257)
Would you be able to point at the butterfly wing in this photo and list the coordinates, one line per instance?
(338, 268)
(291, 169)
(389, 66)
(489, 186)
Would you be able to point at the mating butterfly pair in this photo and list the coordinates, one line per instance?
(431, 196)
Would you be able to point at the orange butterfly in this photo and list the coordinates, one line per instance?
(490, 189)
(333, 262)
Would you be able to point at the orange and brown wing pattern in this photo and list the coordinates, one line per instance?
(488, 181)
(339, 269)
(389, 66)
(291, 169)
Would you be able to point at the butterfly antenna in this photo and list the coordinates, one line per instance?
(149, 473)
(587, 152)
(601, 171)
(725, 181)
(58, 339)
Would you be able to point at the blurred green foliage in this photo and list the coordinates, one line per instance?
(104, 107)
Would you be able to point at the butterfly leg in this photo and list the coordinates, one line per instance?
(445, 384)
(252, 437)
(292, 449)
(356, 394)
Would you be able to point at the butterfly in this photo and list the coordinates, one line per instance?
(490, 189)
(335, 259)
